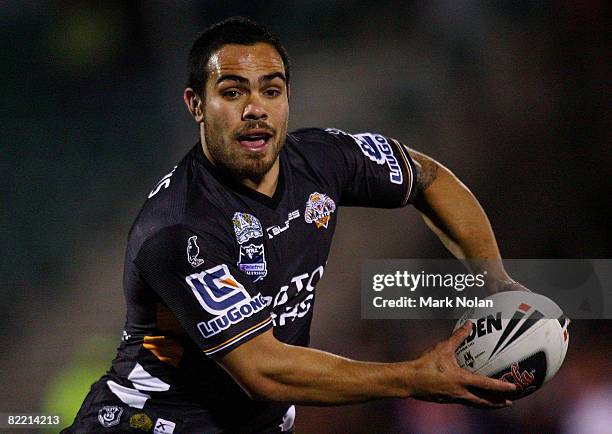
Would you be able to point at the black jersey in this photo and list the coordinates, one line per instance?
(211, 264)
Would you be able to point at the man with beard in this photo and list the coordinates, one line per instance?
(224, 257)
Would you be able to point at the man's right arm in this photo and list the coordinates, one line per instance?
(270, 370)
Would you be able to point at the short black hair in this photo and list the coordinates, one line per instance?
(234, 30)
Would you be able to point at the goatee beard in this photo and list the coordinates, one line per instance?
(242, 168)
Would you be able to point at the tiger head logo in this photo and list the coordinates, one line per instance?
(319, 209)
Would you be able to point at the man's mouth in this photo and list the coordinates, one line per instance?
(255, 139)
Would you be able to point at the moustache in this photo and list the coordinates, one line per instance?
(256, 125)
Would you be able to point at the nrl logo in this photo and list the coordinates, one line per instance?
(252, 261)
(319, 209)
(246, 226)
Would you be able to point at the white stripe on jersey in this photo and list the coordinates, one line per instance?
(142, 380)
(131, 397)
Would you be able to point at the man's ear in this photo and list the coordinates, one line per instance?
(194, 104)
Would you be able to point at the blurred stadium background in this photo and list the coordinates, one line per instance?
(512, 96)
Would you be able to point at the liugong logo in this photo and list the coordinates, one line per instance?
(220, 294)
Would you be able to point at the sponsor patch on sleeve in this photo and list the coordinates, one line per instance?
(378, 149)
(223, 296)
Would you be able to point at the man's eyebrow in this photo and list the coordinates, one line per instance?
(231, 77)
(272, 76)
(239, 79)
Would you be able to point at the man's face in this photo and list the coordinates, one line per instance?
(246, 109)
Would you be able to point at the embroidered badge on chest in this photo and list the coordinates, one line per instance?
(319, 209)
(252, 261)
(246, 226)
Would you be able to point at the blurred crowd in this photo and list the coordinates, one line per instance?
(514, 97)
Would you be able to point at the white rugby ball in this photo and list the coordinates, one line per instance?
(522, 339)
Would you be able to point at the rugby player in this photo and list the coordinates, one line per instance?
(223, 260)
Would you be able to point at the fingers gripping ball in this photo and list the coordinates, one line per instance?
(522, 339)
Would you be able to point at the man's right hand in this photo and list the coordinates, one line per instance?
(437, 377)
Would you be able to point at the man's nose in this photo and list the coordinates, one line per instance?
(254, 109)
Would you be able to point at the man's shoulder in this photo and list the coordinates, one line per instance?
(182, 236)
(312, 135)
(314, 144)
(174, 239)
(165, 203)
(329, 137)
(177, 203)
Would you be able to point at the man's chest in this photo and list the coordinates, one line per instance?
(283, 250)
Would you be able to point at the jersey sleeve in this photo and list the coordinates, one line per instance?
(214, 301)
(377, 170)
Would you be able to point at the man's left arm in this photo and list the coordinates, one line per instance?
(453, 213)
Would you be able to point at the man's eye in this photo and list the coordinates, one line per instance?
(231, 94)
(272, 92)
